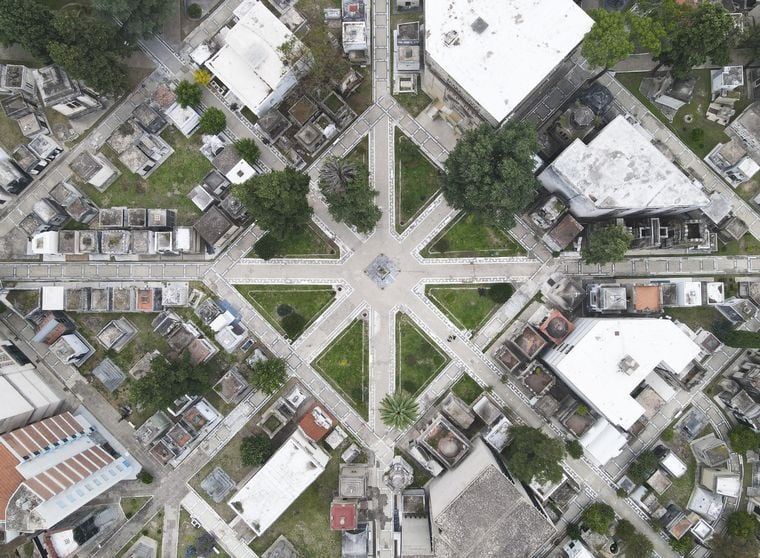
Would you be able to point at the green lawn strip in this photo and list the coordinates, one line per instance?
(746, 245)
(713, 132)
(418, 358)
(188, 535)
(467, 389)
(467, 306)
(310, 242)
(306, 523)
(360, 152)
(345, 364)
(417, 180)
(152, 529)
(167, 187)
(697, 316)
(468, 236)
(132, 505)
(308, 300)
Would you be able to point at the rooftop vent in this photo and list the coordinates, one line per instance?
(628, 365)
(479, 25)
(451, 38)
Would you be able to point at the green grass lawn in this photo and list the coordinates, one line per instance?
(311, 242)
(416, 180)
(345, 364)
(306, 523)
(697, 316)
(188, 535)
(467, 236)
(132, 505)
(153, 529)
(167, 187)
(308, 300)
(418, 358)
(467, 389)
(467, 306)
(746, 245)
(10, 134)
(713, 132)
(58, 4)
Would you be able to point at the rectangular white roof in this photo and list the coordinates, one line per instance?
(603, 360)
(249, 63)
(500, 51)
(275, 486)
(621, 169)
(52, 298)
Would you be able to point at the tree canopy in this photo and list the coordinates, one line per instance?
(213, 121)
(139, 18)
(490, 172)
(167, 381)
(326, 66)
(188, 93)
(534, 454)
(574, 449)
(269, 375)
(606, 245)
(728, 546)
(742, 525)
(398, 410)
(743, 439)
(27, 23)
(345, 186)
(641, 469)
(277, 201)
(695, 35)
(598, 517)
(248, 149)
(616, 35)
(255, 450)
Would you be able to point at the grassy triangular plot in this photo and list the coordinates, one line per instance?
(418, 358)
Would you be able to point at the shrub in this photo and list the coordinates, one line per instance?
(194, 11)
(500, 292)
(145, 477)
(249, 150)
(213, 121)
(667, 434)
(743, 439)
(269, 375)
(598, 517)
(574, 449)
(682, 546)
(742, 525)
(255, 450)
(574, 532)
(266, 247)
(624, 529)
(581, 411)
(202, 76)
(188, 94)
(293, 324)
(641, 469)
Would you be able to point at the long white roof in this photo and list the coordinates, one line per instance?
(249, 63)
(620, 168)
(589, 361)
(290, 471)
(498, 66)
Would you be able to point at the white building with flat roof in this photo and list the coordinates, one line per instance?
(249, 63)
(496, 53)
(282, 479)
(605, 359)
(620, 172)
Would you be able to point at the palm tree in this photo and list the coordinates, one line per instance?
(398, 410)
(335, 174)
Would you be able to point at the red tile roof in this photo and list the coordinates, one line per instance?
(343, 516)
(10, 479)
(317, 422)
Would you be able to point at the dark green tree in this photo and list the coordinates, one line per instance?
(727, 546)
(609, 40)
(168, 381)
(641, 469)
(267, 247)
(194, 11)
(638, 546)
(350, 200)
(751, 40)
(701, 34)
(531, 453)
(574, 449)
(29, 24)
(139, 18)
(598, 517)
(188, 93)
(145, 477)
(606, 245)
(213, 121)
(277, 201)
(293, 324)
(88, 49)
(255, 450)
(500, 292)
(574, 531)
(490, 172)
(248, 149)
(398, 410)
(742, 525)
(269, 375)
(743, 439)
(624, 529)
